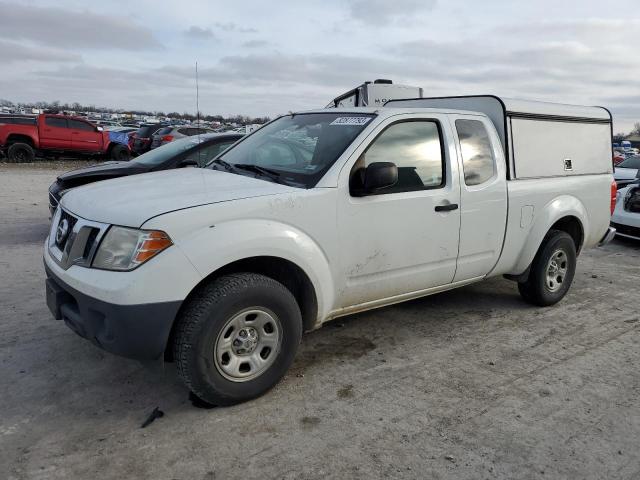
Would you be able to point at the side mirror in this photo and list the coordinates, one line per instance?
(188, 162)
(99, 129)
(379, 175)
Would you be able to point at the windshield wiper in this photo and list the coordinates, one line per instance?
(249, 167)
(225, 165)
(267, 172)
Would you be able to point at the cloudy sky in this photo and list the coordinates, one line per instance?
(265, 58)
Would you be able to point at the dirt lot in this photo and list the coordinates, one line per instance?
(468, 384)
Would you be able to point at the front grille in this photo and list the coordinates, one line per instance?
(90, 244)
(63, 242)
(626, 230)
(74, 240)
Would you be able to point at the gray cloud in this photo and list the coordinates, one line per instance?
(255, 44)
(383, 12)
(198, 33)
(299, 61)
(72, 28)
(233, 27)
(11, 52)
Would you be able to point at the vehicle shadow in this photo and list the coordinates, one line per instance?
(85, 382)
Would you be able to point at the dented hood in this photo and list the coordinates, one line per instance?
(131, 201)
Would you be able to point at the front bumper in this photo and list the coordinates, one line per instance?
(133, 331)
(627, 231)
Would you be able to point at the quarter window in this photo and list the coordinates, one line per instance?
(56, 122)
(477, 157)
(415, 148)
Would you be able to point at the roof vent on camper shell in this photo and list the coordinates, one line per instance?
(383, 81)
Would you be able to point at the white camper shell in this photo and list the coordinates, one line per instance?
(540, 139)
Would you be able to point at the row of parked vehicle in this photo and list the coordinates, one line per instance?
(188, 151)
(22, 137)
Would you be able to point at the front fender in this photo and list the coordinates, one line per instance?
(235, 240)
(559, 207)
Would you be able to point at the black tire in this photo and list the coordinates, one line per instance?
(539, 289)
(21, 153)
(120, 153)
(201, 324)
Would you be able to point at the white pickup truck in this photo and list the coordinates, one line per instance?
(322, 214)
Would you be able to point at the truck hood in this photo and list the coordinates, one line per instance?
(131, 201)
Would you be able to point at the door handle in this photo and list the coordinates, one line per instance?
(446, 208)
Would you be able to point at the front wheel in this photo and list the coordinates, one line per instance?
(120, 153)
(236, 338)
(552, 270)
(21, 153)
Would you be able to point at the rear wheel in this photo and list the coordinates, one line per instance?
(120, 153)
(21, 153)
(236, 338)
(552, 270)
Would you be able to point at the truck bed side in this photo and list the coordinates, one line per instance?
(535, 205)
(11, 133)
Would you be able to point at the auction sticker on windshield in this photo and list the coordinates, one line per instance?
(350, 121)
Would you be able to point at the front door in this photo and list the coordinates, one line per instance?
(404, 238)
(55, 133)
(84, 136)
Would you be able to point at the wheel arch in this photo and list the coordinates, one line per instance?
(292, 276)
(565, 213)
(20, 138)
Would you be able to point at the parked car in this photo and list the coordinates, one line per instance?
(141, 140)
(171, 133)
(105, 123)
(617, 158)
(196, 151)
(47, 134)
(626, 216)
(322, 214)
(627, 171)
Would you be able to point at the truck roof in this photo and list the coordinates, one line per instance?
(389, 111)
(554, 109)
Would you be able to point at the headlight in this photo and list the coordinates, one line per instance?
(127, 248)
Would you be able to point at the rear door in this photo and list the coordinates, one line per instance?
(483, 195)
(54, 133)
(84, 136)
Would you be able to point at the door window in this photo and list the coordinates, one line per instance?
(56, 122)
(79, 125)
(415, 147)
(477, 156)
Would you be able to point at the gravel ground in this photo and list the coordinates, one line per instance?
(468, 384)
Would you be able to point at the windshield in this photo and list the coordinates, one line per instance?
(296, 149)
(166, 152)
(631, 162)
(146, 131)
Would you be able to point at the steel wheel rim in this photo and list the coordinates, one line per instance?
(556, 272)
(248, 344)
